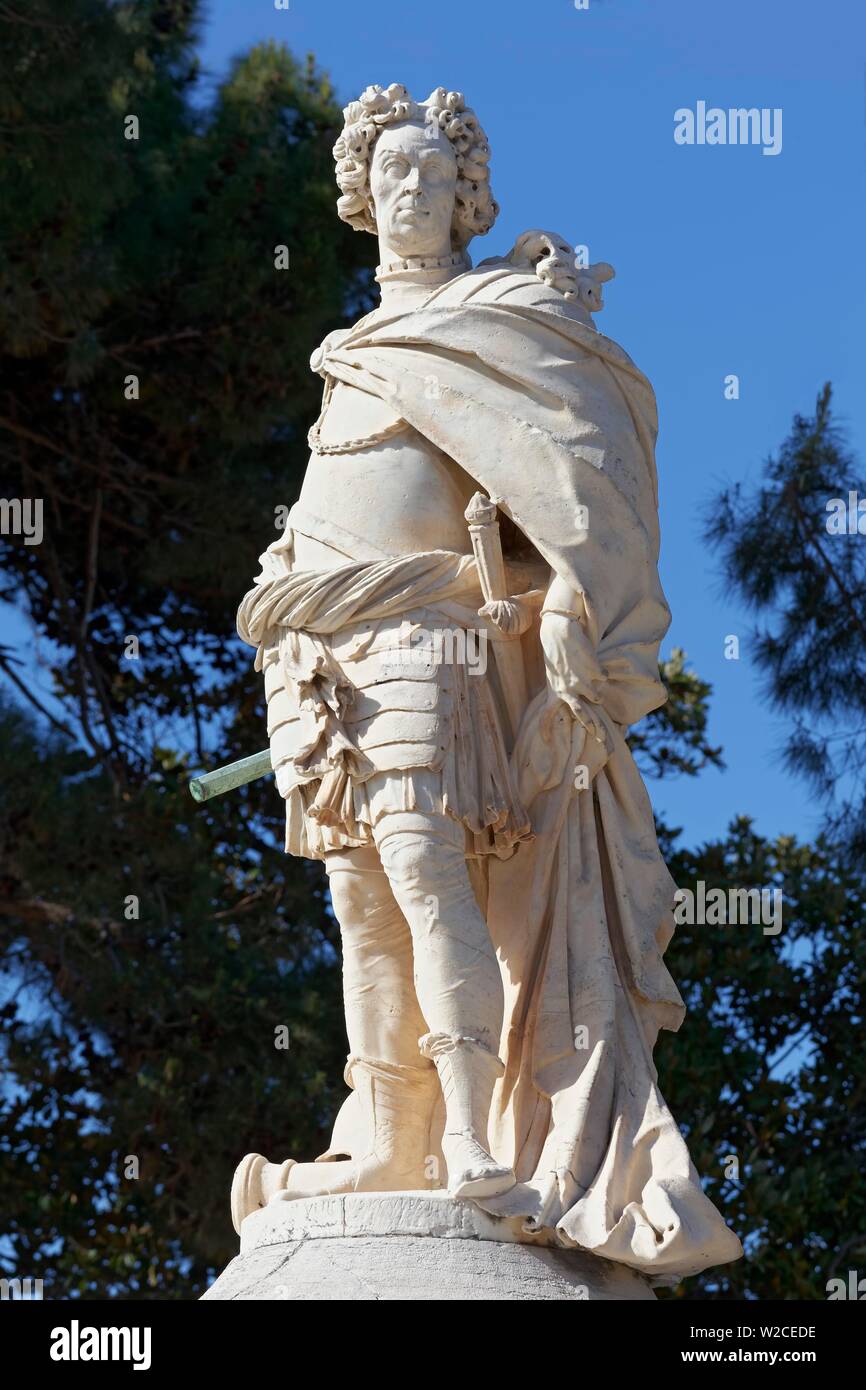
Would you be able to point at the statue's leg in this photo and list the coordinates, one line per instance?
(382, 1011)
(458, 984)
(395, 1088)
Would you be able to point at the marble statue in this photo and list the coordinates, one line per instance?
(456, 630)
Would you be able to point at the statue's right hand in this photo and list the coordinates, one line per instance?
(510, 616)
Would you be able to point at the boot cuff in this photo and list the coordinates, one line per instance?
(434, 1045)
(375, 1066)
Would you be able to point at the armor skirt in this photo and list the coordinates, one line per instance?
(421, 721)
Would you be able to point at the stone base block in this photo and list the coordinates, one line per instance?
(408, 1246)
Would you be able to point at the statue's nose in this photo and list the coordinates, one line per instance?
(413, 179)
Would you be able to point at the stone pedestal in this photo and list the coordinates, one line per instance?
(408, 1246)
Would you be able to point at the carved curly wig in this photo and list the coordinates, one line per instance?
(475, 208)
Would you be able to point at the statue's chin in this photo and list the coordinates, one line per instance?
(411, 236)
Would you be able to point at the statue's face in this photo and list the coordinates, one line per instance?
(412, 179)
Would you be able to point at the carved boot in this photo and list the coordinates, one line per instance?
(397, 1104)
(467, 1073)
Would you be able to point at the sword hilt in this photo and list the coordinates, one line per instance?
(498, 608)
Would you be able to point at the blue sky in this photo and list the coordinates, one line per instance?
(727, 260)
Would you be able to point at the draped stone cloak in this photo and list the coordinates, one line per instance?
(558, 426)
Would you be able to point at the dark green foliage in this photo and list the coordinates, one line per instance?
(164, 271)
(769, 1065)
(153, 1036)
(809, 588)
(151, 947)
(674, 739)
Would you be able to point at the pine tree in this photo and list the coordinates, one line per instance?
(156, 395)
(794, 549)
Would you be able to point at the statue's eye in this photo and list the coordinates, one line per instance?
(436, 168)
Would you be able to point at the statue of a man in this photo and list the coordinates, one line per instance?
(491, 855)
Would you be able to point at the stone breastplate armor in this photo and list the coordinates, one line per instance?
(381, 480)
(374, 487)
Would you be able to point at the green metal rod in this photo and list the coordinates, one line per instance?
(225, 779)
